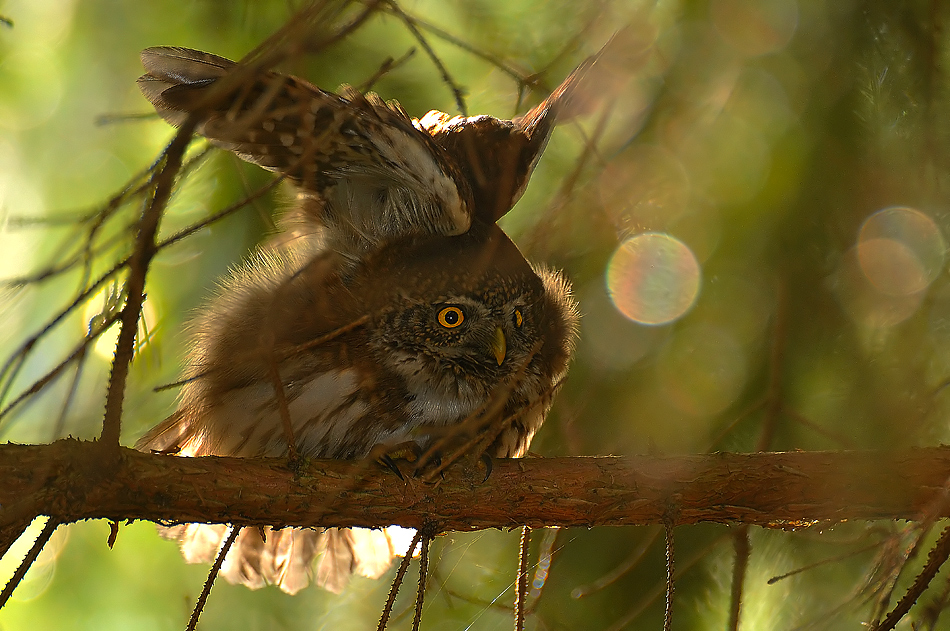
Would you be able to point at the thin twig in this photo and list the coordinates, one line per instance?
(385, 68)
(286, 423)
(773, 406)
(620, 571)
(483, 424)
(658, 591)
(221, 214)
(40, 383)
(938, 555)
(213, 574)
(522, 78)
(935, 607)
(10, 532)
(145, 250)
(539, 233)
(97, 218)
(397, 582)
(725, 431)
(740, 543)
(11, 370)
(897, 558)
(27, 562)
(287, 353)
(15, 362)
(423, 575)
(841, 439)
(103, 120)
(835, 559)
(70, 395)
(670, 579)
(410, 23)
(922, 527)
(521, 593)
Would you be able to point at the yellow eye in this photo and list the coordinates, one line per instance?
(518, 318)
(451, 317)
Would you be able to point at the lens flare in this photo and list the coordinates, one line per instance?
(900, 251)
(653, 278)
(864, 303)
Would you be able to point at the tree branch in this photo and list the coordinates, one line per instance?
(771, 489)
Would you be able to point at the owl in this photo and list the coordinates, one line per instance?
(391, 311)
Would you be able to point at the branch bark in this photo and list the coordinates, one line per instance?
(789, 490)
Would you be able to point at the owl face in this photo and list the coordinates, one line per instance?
(470, 319)
(486, 332)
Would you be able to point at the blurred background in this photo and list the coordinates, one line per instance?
(754, 216)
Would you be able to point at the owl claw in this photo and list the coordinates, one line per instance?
(489, 465)
(391, 455)
(387, 461)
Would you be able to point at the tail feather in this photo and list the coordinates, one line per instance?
(350, 551)
(285, 557)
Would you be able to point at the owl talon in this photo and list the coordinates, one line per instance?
(489, 465)
(387, 461)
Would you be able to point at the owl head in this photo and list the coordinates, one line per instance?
(460, 318)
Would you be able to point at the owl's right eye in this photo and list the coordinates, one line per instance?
(451, 317)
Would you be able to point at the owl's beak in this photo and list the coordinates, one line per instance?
(498, 345)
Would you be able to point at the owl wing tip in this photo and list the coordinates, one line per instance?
(183, 65)
(176, 79)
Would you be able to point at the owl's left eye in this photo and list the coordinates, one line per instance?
(451, 317)
(517, 318)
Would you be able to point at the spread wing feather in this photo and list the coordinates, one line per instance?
(375, 176)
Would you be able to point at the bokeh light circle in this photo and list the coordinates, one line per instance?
(865, 304)
(653, 278)
(900, 251)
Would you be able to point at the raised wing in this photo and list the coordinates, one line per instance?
(497, 156)
(374, 175)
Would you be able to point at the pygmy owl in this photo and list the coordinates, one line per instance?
(392, 311)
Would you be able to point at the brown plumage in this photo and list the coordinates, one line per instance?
(401, 313)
